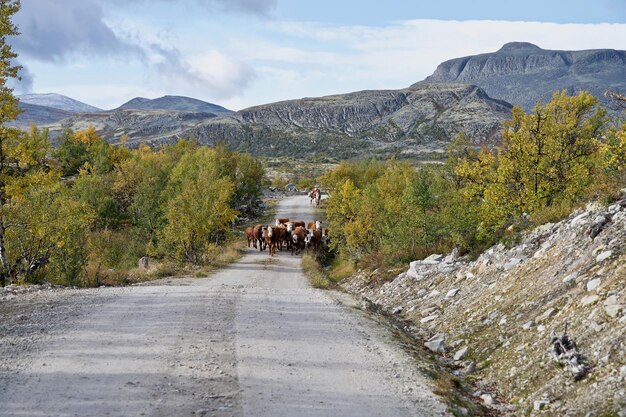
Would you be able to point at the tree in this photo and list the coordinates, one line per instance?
(459, 150)
(198, 211)
(9, 110)
(549, 156)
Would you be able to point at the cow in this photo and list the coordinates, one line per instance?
(250, 236)
(273, 236)
(318, 197)
(278, 222)
(297, 223)
(287, 235)
(298, 237)
(315, 195)
(259, 235)
(314, 239)
(314, 225)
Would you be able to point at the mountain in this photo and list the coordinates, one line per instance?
(150, 126)
(416, 121)
(57, 101)
(39, 115)
(522, 73)
(177, 103)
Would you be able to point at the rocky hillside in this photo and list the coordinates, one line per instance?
(522, 73)
(149, 126)
(415, 121)
(176, 103)
(493, 317)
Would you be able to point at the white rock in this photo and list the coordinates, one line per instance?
(546, 315)
(593, 284)
(428, 319)
(579, 218)
(452, 292)
(622, 373)
(528, 325)
(502, 321)
(612, 300)
(487, 399)
(412, 272)
(540, 404)
(436, 344)
(460, 354)
(604, 256)
(589, 300)
(613, 310)
(469, 275)
(512, 264)
(541, 328)
(433, 293)
(570, 277)
(433, 259)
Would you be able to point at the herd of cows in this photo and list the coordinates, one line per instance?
(290, 234)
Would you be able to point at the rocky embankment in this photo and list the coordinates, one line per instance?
(493, 317)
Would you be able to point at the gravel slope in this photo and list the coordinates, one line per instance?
(251, 340)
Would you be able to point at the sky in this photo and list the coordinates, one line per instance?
(240, 53)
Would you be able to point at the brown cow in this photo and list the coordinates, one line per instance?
(250, 236)
(298, 238)
(314, 225)
(281, 221)
(273, 236)
(314, 239)
(298, 223)
(259, 235)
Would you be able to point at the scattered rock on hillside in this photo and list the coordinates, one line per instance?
(550, 285)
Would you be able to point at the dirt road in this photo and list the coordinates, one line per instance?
(252, 340)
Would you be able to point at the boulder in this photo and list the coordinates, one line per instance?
(436, 343)
(144, 263)
(589, 300)
(546, 315)
(460, 354)
(604, 255)
(452, 292)
(593, 284)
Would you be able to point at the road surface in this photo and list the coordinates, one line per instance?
(252, 340)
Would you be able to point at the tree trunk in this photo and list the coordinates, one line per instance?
(6, 268)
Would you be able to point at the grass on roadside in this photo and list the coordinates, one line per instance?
(324, 270)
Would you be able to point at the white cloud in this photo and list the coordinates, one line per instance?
(328, 59)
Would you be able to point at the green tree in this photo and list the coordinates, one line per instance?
(199, 211)
(9, 110)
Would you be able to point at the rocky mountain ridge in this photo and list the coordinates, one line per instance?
(522, 73)
(493, 317)
(416, 121)
(410, 122)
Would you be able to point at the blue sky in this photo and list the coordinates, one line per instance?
(239, 53)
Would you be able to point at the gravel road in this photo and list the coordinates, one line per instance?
(251, 340)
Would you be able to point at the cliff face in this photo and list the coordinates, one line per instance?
(522, 73)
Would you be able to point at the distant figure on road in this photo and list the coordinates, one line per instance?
(315, 195)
